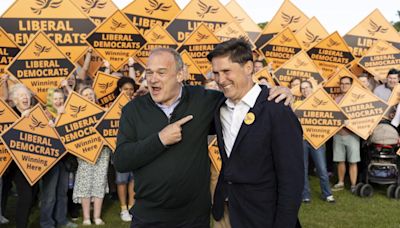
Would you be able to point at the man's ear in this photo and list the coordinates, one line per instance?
(180, 76)
(249, 67)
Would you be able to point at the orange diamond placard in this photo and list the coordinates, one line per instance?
(320, 118)
(76, 128)
(33, 144)
(104, 86)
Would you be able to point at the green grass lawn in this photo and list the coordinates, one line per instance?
(348, 211)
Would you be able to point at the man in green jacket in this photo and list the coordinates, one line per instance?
(163, 139)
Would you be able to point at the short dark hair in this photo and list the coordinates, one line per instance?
(393, 71)
(350, 78)
(238, 50)
(121, 82)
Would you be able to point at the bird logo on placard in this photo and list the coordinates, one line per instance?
(332, 43)
(380, 49)
(155, 5)
(36, 123)
(105, 86)
(374, 28)
(77, 109)
(201, 36)
(44, 4)
(239, 20)
(311, 38)
(156, 36)
(289, 19)
(93, 4)
(284, 39)
(317, 102)
(2, 112)
(40, 49)
(231, 31)
(116, 25)
(356, 97)
(300, 63)
(206, 9)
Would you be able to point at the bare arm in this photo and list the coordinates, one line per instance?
(82, 74)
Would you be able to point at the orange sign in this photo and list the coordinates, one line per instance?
(264, 74)
(61, 20)
(76, 128)
(7, 118)
(244, 20)
(320, 117)
(33, 144)
(371, 29)
(332, 86)
(145, 14)
(8, 50)
(393, 101)
(156, 37)
(364, 110)
(97, 10)
(232, 30)
(210, 12)
(40, 65)
(108, 125)
(379, 59)
(104, 86)
(116, 39)
(300, 66)
(331, 53)
(281, 48)
(311, 33)
(213, 153)
(95, 63)
(289, 16)
(198, 45)
(195, 76)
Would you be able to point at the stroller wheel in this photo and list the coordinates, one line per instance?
(358, 188)
(390, 191)
(397, 193)
(367, 191)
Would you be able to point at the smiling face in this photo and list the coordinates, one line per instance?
(163, 78)
(392, 80)
(232, 78)
(306, 89)
(88, 93)
(22, 99)
(58, 99)
(128, 89)
(345, 85)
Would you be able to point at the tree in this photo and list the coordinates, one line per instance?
(263, 24)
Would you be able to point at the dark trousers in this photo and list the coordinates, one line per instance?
(201, 222)
(26, 194)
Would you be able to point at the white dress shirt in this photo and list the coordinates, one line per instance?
(232, 116)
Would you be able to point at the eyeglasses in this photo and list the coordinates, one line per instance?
(347, 83)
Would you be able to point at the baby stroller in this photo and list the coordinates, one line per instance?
(381, 163)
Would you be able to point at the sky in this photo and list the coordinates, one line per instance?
(337, 15)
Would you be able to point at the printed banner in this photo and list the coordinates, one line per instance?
(281, 48)
(379, 59)
(210, 12)
(198, 45)
(233, 30)
(320, 117)
(145, 14)
(195, 76)
(97, 10)
(7, 118)
(76, 128)
(264, 75)
(364, 110)
(104, 86)
(288, 16)
(108, 125)
(213, 153)
(40, 65)
(300, 66)
(61, 20)
(371, 29)
(33, 144)
(8, 50)
(332, 86)
(116, 39)
(330, 54)
(311, 34)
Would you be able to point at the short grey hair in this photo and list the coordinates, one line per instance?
(15, 88)
(174, 53)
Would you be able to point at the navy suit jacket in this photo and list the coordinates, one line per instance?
(264, 175)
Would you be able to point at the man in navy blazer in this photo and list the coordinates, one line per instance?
(260, 141)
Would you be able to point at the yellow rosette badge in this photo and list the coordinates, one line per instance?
(249, 119)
